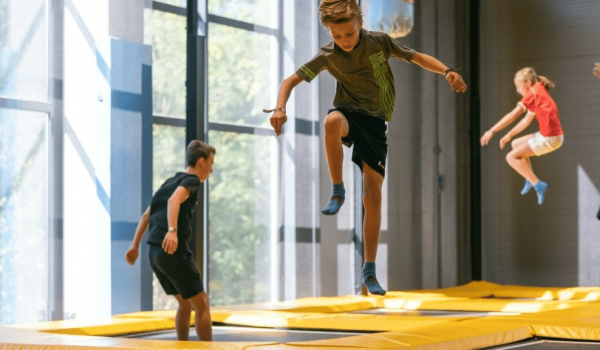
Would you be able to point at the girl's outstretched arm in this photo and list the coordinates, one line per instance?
(597, 69)
(517, 129)
(508, 119)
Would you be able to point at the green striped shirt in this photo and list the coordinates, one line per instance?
(365, 82)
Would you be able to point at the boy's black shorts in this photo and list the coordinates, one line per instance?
(367, 133)
(177, 273)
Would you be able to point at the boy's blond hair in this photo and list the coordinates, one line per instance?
(339, 11)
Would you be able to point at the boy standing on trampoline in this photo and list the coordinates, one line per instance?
(539, 105)
(169, 217)
(363, 103)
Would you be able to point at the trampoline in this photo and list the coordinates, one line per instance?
(478, 315)
(251, 334)
(549, 344)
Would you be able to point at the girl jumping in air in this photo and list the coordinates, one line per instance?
(539, 105)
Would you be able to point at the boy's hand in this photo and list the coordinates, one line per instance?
(457, 83)
(487, 136)
(131, 255)
(504, 141)
(597, 69)
(170, 242)
(277, 120)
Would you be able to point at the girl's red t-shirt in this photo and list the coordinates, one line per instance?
(538, 101)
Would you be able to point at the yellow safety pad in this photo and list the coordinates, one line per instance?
(22, 339)
(106, 327)
(357, 322)
(475, 289)
(483, 305)
(548, 293)
(320, 304)
(473, 334)
(149, 314)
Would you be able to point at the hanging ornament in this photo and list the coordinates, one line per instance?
(394, 17)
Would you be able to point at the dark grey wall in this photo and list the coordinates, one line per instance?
(555, 243)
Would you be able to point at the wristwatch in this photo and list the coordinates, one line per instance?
(172, 229)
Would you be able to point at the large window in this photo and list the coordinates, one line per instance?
(243, 50)
(23, 212)
(165, 31)
(23, 160)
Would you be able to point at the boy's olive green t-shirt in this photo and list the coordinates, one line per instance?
(365, 82)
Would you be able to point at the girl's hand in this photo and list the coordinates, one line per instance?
(170, 242)
(487, 136)
(131, 255)
(503, 141)
(277, 120)
(457, 83)
(597, 69)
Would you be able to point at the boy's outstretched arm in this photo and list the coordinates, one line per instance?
(134, 251)
(434, 65)
(529, 117)
(503, 123)
(597, 69)
(279, 116)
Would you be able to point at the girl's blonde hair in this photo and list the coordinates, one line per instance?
(339, 11)
(529, 74)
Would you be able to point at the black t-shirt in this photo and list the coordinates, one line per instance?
(158, 210)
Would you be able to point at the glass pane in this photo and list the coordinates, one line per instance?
(180, 3)
(242, 72)
(23, 216)
(261, 12)
(24, 49)
(168, 40)
(168, 148)
(241, 239)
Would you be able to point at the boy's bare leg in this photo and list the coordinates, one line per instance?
(372, 183)
(336, 127)
(182, 318)
(203, 321)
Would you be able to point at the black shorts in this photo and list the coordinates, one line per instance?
(177, 273)
(367, 133)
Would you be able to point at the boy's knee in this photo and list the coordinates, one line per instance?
(372, 196)
(333, 122)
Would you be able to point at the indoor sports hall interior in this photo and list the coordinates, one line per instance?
(98, 100)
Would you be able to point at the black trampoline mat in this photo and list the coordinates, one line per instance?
(249, 334)
(549, 344)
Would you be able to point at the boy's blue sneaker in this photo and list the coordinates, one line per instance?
(540, 187)
(338, 194)
(526, 188)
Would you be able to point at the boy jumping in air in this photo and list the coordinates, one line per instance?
(363, 103)
(169, 217)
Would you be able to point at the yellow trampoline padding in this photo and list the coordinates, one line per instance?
(342, 321)
(474, 289)
(23, 339)
(318, 304)
(474, 305)
(473, 334)
(149, 314)
(104, 327)
(547, 293)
